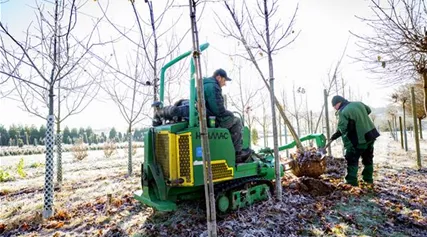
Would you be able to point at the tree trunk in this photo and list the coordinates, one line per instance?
(273, 107)
(48, 186)
(207, 170)
(59, 141)
(395, 127)
(276, 101)
(280, 131)
(417, 141)
(264, 129)
(401, 132)
(130, 148)
(391, 130)
(311, 122)
(48, 210)
(424, 75)
(296, 112)
(404, 127)
(328, 134)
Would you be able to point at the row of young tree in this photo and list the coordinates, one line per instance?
(18, 135)
(69, 60)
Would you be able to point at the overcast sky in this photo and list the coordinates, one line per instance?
(324, 30)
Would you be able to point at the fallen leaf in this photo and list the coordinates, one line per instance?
(2, 227)
(62, 215)
(25, 226)
(117, 202)
(55, 225)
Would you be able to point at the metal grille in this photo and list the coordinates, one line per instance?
(184, 157)
(221, 171)
(162, 153)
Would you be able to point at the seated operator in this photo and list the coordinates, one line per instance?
(224, 118)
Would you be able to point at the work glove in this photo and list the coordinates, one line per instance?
(335, 136)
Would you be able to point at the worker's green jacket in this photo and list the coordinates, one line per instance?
(215, 100)
(355, 125)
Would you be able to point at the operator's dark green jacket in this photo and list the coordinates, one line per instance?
(215, 100)
(355, 125)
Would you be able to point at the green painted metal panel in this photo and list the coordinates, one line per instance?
(250, 196)
(221, 148)
(319, 138)
(152, 201)
(246, 169)
(173, 128)
(246, 138)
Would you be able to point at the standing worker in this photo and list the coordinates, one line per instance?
(224, 118)
(358, 134)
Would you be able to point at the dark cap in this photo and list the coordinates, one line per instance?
(221, 72)
(336, 99)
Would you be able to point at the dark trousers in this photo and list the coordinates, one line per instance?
(352, 155)
(234, 125)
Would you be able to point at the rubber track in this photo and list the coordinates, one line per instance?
(233, 184)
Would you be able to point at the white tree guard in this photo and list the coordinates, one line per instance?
(130, 154)
(48, 185)
(59, 158)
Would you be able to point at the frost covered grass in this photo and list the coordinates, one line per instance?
(96, 200)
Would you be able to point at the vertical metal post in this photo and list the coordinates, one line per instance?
(417, 140)
(328, 134)
(207, 171)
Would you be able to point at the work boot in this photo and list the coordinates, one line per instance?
(351, 177)
(367, 174)
(242, 155)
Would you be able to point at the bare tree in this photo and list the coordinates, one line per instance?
(239, 30)
(245, 99)
(152, 46)
(397, 50)
(265, 40)
(46, 54)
